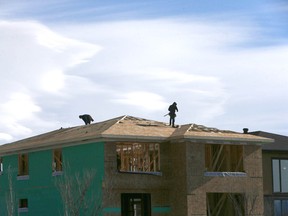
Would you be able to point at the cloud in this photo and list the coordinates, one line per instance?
(53, 81)
(177, 77)
(35, 62)
(33, 52)
(20, 106)
(143, 100)
(5, 137)
(143, 67)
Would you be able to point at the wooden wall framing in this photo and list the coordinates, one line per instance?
(23, 168)
(138, 157)
(224, 158)
(57, 160)
(219, 204)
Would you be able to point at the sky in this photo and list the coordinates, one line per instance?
(223, 62)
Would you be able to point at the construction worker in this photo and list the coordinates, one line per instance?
(86, 118)
(172, 109)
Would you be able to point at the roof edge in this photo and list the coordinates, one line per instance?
(255, 140)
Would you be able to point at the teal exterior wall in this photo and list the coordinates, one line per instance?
(41, 188)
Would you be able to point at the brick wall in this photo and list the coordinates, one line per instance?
(182, 186)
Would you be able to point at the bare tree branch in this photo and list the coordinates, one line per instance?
(10, 195)
(78, 195)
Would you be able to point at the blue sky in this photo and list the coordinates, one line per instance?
(223, 62)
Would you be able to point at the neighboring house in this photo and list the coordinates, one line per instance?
(133, 166)
(275, 174)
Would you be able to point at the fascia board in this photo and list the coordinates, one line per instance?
(119, 138)
(66, 143)
(210, 139)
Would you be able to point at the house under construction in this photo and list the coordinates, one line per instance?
(134, 166)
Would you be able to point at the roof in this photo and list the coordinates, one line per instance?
(126, 128)
(280, 142)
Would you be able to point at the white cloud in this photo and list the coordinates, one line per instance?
(32, 51)
(19, 106)
(77, 52)
(143, 67)
(143, 100)
(177, 77)
(5, 137)
(35, 63)
(52, 81)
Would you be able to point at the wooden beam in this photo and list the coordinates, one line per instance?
(217, 157)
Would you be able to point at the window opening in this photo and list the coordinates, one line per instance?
(280, 175)
(138, 157)
(23, 205)
(219, 204)
(57, 160)
(23, 168)
(281, 207)
(224, 158)
(1, 165)
(136, 204)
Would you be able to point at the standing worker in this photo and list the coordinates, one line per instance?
(172, 109)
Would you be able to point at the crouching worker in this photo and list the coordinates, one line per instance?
(86, 118)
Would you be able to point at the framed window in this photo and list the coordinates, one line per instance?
(23, 205)
(138, 157)
(280, 175)
(224, 158)
(57, 160)
(23, 168)
(135, 204)
(280, 207)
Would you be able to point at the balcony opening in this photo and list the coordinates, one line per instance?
(224, 158)
(138, 157)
